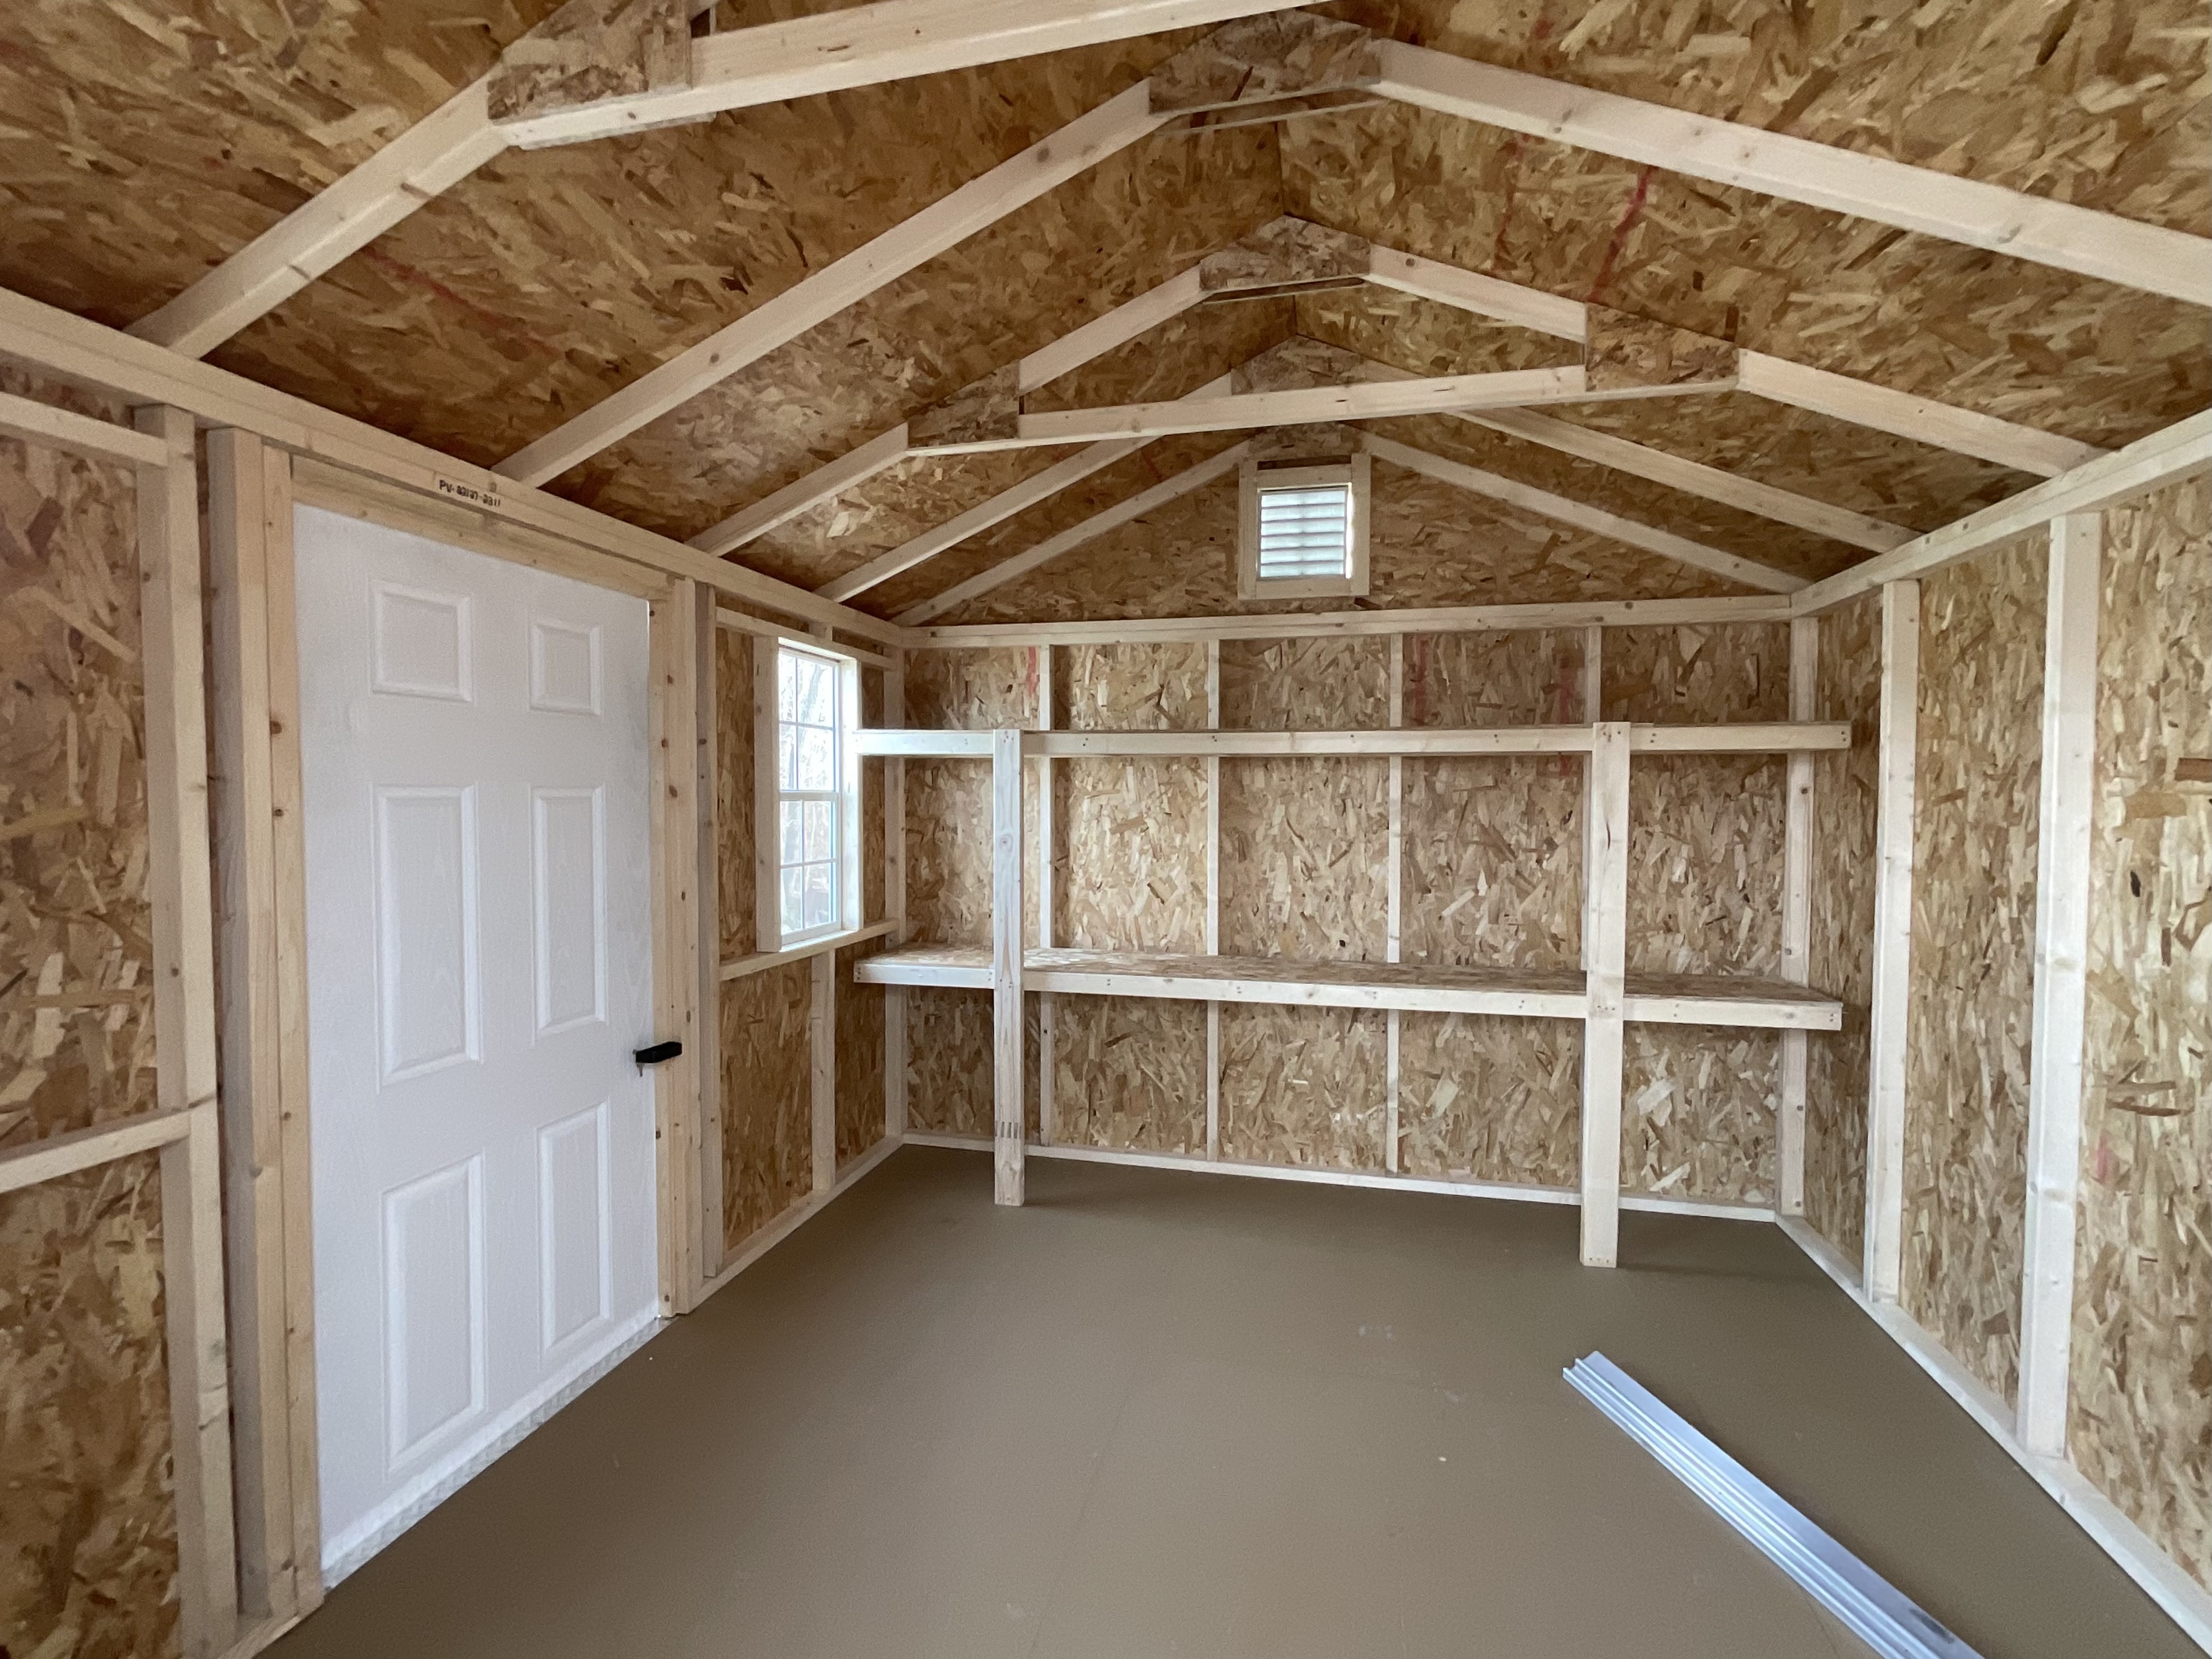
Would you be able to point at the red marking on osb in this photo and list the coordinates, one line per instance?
(1629, 215)
(505, 326)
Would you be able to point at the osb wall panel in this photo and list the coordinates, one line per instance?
(1846, 788)
(948, 803)
(1490, 1099)
(1704, 895)
(1303, 1086)
(77, 1033)
(1492, 870)
(1129, 1072)
(767, 1097)
(1129, 836)
(1978, 763)
(1430, 544)
(2141, 1419)
(1910, 312)
(87, 1525)
(859, 1080)
(1305, 842)
(734, 784)
(948, 1062)
(1697, 1115)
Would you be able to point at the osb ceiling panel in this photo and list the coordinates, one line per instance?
(2102, 105)
(924, 491)
(143, 141)
(550, 279)
(1785, 548)
(2100, 363)
(1130, 476)
(1126, 226)
(1428, 544)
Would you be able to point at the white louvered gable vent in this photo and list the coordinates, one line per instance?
(1305, 532)
(1302, 529)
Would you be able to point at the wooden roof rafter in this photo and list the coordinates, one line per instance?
(1625, 356)
(1254, 63)
(601, 68)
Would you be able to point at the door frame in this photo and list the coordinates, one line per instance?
(253, 488)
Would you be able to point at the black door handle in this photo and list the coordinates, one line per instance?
(655, 1053)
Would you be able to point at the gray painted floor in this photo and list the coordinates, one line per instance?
(1157, 1414)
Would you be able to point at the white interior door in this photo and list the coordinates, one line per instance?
(479, 958)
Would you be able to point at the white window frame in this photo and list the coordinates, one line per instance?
(1255, 476)
(770, 794)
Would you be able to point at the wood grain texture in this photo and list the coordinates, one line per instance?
(768, 1099)
(948, 1049)
(88, 1552)
(1129, 1073)
(1845, 786)
(734, 882)
(1978, 766)
(1696, 1113)
(1303, 1086)
(859, 1084)
(2141, 1373)
(1483, 1099)
(88, 1516)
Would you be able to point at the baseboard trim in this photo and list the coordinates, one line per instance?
(2178, 1595)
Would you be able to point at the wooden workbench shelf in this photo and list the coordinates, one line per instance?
(1678, 999)
(1765, 738)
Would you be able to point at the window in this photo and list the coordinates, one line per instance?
(1303, 530)
(816, 797)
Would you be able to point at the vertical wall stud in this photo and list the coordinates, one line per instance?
(895, 903)
(1593, 695)
(246, 964)
(1892, 940)
(707, 797)
(1605, 938)
(1213, 899)
(674, 652)
(822, 1007)
(1796, 919)
(2062, 949)
(1394, 903)
(180, 880)
(768, 915)
(1007, 1069)
(289, 870)
(1046, 888)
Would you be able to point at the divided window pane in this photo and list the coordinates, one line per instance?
(812, 852)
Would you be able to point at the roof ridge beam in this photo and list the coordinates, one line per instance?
(859, 46)
(1132, 318)
(2020, 226)
(1559, 508)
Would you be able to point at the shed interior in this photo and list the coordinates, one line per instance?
(1765, 780)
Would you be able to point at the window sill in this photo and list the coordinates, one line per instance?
(761, 961)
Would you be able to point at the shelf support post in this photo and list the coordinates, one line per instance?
(1605, 938)
(1797, 918)
(1006, 1171)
